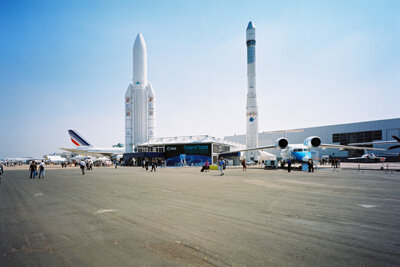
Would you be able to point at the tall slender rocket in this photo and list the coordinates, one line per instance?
(140, 110)
(251, 105)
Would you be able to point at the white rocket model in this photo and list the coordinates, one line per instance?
(140, 101)
(251, 106)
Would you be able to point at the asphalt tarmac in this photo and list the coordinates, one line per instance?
(182, 217)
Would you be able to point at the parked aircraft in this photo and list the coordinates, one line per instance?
(19, 160)
(300, 152)
(82, 146)
(369, 157)
(55, 159)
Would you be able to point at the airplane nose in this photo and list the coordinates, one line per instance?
(305, 159)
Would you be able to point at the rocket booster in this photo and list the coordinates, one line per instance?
(151, 111)
(251, 105)
(140, 110)
(128, 120)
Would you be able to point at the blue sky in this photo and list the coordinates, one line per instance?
(67, 64)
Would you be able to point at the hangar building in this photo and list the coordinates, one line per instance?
(343, 134)
(185, 150)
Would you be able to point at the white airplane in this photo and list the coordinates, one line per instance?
(84, 147)
(369, 156)
(55, 159)
(19, 160)
(300, 152)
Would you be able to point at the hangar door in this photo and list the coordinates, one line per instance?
(390, 132)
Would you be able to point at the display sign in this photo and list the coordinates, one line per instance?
(196, 154)
(189, 149)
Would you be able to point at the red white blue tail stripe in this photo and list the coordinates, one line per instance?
(77, 139)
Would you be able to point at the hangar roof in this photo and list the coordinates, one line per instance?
(190, 139)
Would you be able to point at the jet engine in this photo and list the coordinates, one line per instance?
(282, 143)
(312, 142)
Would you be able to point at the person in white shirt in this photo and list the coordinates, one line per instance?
(83, 165)
(41, 169)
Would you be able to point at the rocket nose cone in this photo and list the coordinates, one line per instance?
(250, 26)
(151, 90)
(139, 42)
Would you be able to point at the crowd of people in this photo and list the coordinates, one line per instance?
(37, 169)
(88, 165)
(12, 164)
(334, 162)
(310, 165)
(153, 164)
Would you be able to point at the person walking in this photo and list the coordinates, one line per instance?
(311, 165)
(1, 171)
(221, 166)
(83, 165)
(34, 170)
(289, 165)
(244, 165)
(207, 166)
(41, 169)
(31, 170)
(153, 165)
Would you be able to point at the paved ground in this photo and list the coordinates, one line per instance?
(183, 217)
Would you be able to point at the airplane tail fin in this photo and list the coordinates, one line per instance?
(77, 139)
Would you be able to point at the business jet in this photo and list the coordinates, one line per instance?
(369, 157)
(82, 146)
(300, 152)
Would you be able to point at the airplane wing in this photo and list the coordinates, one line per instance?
(103, 154)
(396, 139)
(375, 143)
(250, 149)
(91, 153)
(82, 151)
(342, 147)
(73, 150)
(356, 158)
